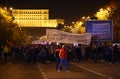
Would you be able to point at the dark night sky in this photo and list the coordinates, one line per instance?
(70, 10)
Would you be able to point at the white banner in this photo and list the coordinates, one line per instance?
(54, 35)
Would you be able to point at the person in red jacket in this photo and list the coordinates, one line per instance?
(63, 59)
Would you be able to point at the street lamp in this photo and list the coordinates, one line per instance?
(11, 8)
(83, 17)
(5, 8)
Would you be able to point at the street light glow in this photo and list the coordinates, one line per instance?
(83, 17)
(80, 23)
(11, 8)
(5, 8)
(103, 14)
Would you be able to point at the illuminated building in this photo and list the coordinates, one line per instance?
(35, 18)
(34, 22)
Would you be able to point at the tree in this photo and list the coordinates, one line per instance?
(5, 26)
(9, 33)
(111, 11)
(67, 29)
(115, 17)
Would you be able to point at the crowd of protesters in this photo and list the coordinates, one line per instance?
(47, 53)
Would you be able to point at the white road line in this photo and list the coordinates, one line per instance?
(4, 66)
(97, 73)
(42, 72)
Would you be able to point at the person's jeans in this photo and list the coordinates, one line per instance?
(65, 62)
(57, 62)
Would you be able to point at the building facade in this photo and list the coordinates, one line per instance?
(35, 18)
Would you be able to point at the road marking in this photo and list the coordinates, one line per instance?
(42, 72)
(4, 66)
(97, 73)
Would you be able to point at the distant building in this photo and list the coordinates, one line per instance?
(35, 18)
(34, 22)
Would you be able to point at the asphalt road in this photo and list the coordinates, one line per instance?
(84, 70)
